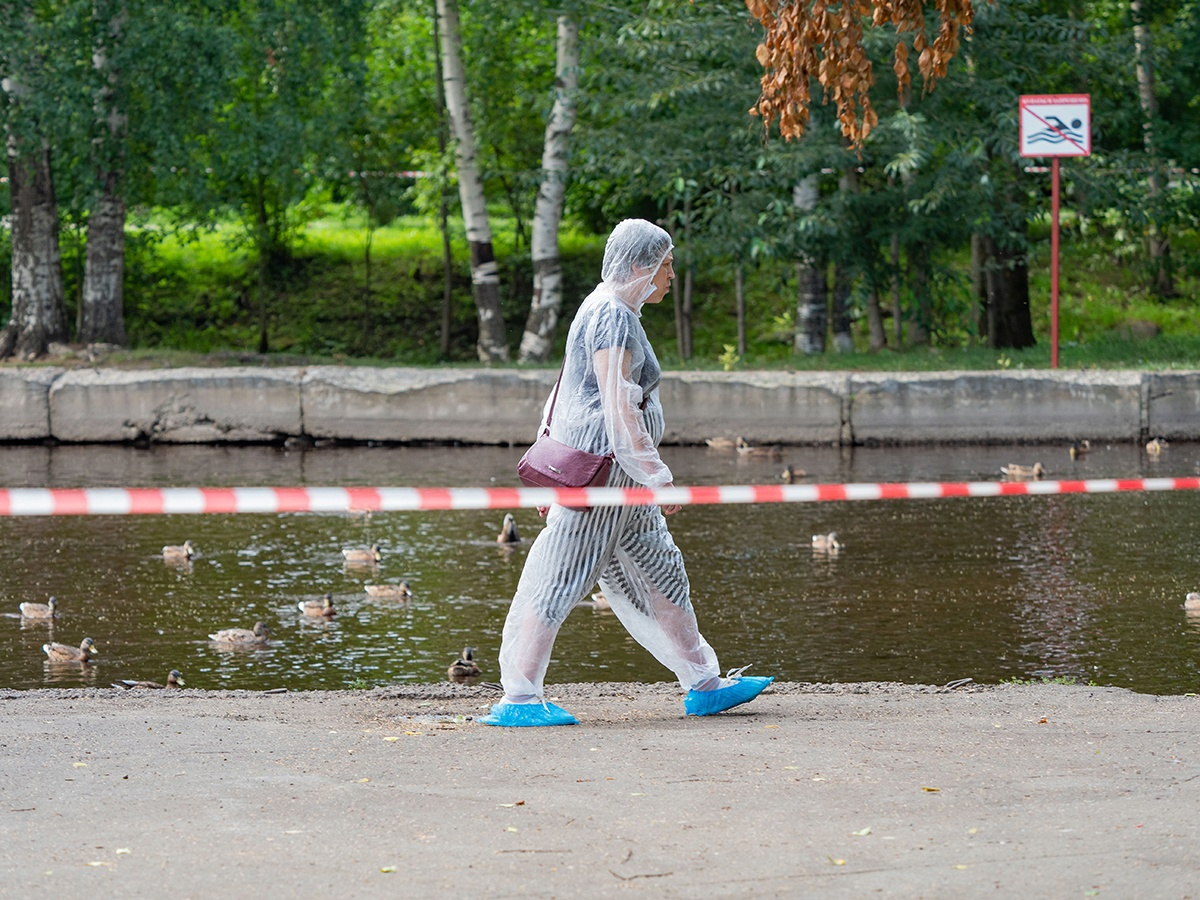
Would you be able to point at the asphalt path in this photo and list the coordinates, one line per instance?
(856, 790)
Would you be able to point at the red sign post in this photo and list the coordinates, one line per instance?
(1055, 125)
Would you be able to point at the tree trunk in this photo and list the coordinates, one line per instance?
(811, 302)
(812, 307)
(978, 287)
(538, 339)
(101, 306)
(485, 275)
(1009, 319)
(39, 315)
(843, 340)
(920, 279)
(875, 330)
(739, 296)
(689, 280)
(897, 291)
(102, 318)
(1160, 242)
(443, 204)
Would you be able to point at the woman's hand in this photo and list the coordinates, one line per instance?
(542, 510)
(669, 509)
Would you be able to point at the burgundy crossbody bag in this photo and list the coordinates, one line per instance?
(553, 464)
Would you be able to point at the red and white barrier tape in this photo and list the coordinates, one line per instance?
(157, 501)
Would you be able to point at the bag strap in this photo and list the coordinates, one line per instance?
(558, 384)
(554, 396)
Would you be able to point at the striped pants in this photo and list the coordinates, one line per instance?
(630, 552)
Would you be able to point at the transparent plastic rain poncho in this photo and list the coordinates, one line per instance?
(610, 368)
(609, 374)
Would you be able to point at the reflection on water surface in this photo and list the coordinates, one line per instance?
(923, 591)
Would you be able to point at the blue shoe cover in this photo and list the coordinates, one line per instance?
(527, 715)
(745, 689)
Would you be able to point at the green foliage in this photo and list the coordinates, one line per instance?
(194, 293)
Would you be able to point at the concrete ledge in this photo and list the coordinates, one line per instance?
(989, 407)
(473, 406)
(772, 407)
(25, 403)
(184, 406)
(502, 406)
(1173, 405)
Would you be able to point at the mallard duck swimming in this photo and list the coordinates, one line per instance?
(369, 556)
(1192, 601)
(721, 443)
(400, 591)
(39, 610)
(1155, 446)
(179, 552)
(1016, 472)
(318, 608)
(174, 680)
(64, 653)
(790, 474)
(826, 543)
(1079, 448)
(745, 449)
(243, 637)
(464, 666)
(508, 531)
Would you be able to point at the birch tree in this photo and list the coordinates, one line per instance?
(38, 313)
(1160, 243)
(538, 339)
(485, 276)
(101, 315)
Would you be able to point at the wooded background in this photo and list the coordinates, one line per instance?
(128, 120)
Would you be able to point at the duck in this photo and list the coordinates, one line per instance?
(1017, 472)
(790, 474)
(401, 591)
(826, 543)
(721, 443)
(179, 552)
(464, 667)
(508, 531)
(243, 637)
(1079, 448)
(746, 449)
(174, 680)
(358, 555)
(39, 610)
(65, 653)
(1155, 446)
(318, 608)
(1192, 601)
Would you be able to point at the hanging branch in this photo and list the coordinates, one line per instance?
(815, 38)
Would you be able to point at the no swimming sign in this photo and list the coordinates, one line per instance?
(1056, 125)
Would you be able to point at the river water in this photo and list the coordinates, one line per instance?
(1088, 587)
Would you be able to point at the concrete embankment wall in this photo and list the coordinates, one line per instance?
(494, 406)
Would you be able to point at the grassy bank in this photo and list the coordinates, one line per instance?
(195, 298)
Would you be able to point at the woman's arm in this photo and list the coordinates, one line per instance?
(621, 398)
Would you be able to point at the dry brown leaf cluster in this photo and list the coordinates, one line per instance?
(807, 38)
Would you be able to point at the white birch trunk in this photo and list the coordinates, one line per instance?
(812, 306)
(485, 275)
(102, 315)
(538, 339)
(38, 314)
(1160, 244)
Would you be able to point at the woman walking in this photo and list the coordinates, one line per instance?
(608, 402)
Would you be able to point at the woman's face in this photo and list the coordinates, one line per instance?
(662, 279)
